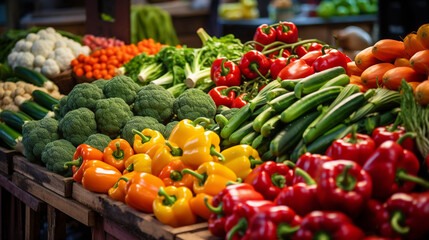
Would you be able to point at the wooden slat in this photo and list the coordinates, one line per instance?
(98, 230)
(29, 200)
(145, 225)
(65, 205)
(117, 231)
(200, 235)
(52, 181)
(6, 163)
(32, 224)
(56, 224)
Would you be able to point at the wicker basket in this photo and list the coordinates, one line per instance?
(64, 81)
(82, 79)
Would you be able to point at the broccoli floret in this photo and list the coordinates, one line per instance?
(139, 123)
(169, 128)
(98, 141)
(100, 83)
(194, 103)
(56, 153)
(154, 101)
(84, 95)
(61, 109)
(77, 125)
(36, 134)
(228, 113)
(121, 87)
(111, 114)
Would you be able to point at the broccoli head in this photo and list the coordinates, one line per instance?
(61, 108)
(154, 101)
(122, 87)
(84, 95)
(100, 83)
(77, 125)
(98, 141)
(56, 153)
(111, 114)
(194, 103)
(169, 128)
(36, 134)
(139, 123)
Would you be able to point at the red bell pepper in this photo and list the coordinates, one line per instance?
(264, 35)
(371, 217)
(355, 147)
(392, 132)
(300, 51)
(330, 59)
(407, 216)
(223, 95)
(269, 178)
(254, 64)
(225, 73)
(83, 153)
(277, 65)
(240, 101)
(243, 212)
(315, 47)
(278, 54)
(296, 69)
(287, 32)
(301, 197)
(393, 169)
(310, 163)
(311, 56)
(342, 185)
(278, 222)
(328, 225)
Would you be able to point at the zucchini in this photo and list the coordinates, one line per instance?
(34, 110)
(248, 139)
(240, 133)
(44, 99)
(236, 120)
(267, 156)
(259, 111)
(14, 119)
(291, 134)
(282, 102)
(262, 118)
(258, 141)
(275, 93)
(299, 149)
(9, 136)
(309, 102)
(340, 80)
(270, 125)
(30, 76)
(321, 144)
(290, 83)
(313, 82)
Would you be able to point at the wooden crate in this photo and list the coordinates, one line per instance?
(197, 235)
(52, 181)
(144, 225)
(6, 162)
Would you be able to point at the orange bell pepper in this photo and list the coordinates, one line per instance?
(171, 175)
(164, 155)
(83, 153)
(145, 139)
(99, 176)
(117, 192)
(199, 207)
(117, 152)
(142, 190)
(153, 149)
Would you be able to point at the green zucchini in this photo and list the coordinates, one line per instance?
(262, 118)
(340, 80)
(291, 134)
(258, 141)
(240, 133)
(267, 156)
(321, 144)
(275, 93)
(248, 139)
(9, 136)
(270, 125)
(309, 102)
(283, 101)
(44, 99)
(299, 149)
(14, 119)
(34, 110)
(290, 83)
(30, 76)
(313, 82)
(236, 120)
(258, 111)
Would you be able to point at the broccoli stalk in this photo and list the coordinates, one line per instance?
(177, 89)
(197, 72)
(151, 72)
(165, 79)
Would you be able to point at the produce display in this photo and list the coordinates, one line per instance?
(277, 138)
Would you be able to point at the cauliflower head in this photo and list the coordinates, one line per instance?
(154, 101)
(77, 125)
(122, 87)
(56, 153)
(139, 123)
(111, 114)
(50, 68)
(84, 95)
(39, 60)
(98, 141)
(42, 47)
(63, 57)
(194, 103)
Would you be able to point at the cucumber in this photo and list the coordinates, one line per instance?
(9, 136)
(299, 149)
(240, 133)
(34, 110)
(282, 102)
(236, 120)
(248, 139)
(262, 118)
(258, 141)
(270, 125)
(340, 80)
(291, 134)
(44, 99)
(30, 76)
(267, 156)
(275, 93)
(335, 116)
(290, 84)
(321, 144)
(313, 82)
(259, 111)
(309, 102)
(14, 119)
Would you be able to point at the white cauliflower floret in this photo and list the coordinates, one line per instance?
(26, 47)
(64, 56)
(37, 69)
(26, 60)
(39, 60)
(85, 50)
(50, 68)
(19, 45)
(58, 36)
(60, 44)
(51, 55)
(42, 47)
(50, 30)
(31, 37)
(11, 58)
(41, 32)
(48, 36)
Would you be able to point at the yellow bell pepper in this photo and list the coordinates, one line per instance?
(118, 191)
(145, 139)
(241, 159)
(184, 130)
(140, 162)
(164, 155)
(211, 178)
(172, 207)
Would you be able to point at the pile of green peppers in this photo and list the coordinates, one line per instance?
(330, 8)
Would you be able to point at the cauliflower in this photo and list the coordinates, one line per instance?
(38, 61)
(19, 45)
(47, 36)
(85, 50)
(38, 69)
(31, 37)
(50, 30)
(26, 47)
(60, 44)
(42, 47)
(50, 68)
(25, 59)
(64, 56)
(51, 55)
(11, 58)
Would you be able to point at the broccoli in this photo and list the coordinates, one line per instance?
(98, 141)
(111, 114)
(36, 134)
(61, 108)
(194, 103)
(121, 87)
(84, 95)
(139, 123)
(228, 113)
(99, 83)
(77, 125)
(56, 153)
(154, 101)
(169, 128)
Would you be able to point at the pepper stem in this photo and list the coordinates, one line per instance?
(200, 177)
(353, 137)
(322, 236)
(175, 151)
(254, 162)
(118, 153)
(395, 222)
(394, 126)
(144, 138)
(285, 230)
(224, 71)
(401, 174)
(77, 162)
(289, 163)
(168, 200)
(346, 181)
(130, 167)
(239, 228)
(254, 67)
(307, 178)
(204, 120)
(214, 152)
(217, 210)
(405, 136)
(117, 182)
(176, 176)
(239, 180)
(278, 180)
